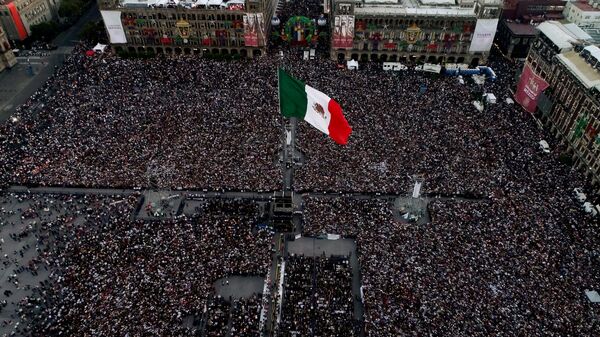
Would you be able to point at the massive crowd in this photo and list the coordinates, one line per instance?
(106, 121)
(317, 297)
(515, 259)
(245, 316)
(398, 132)
(501, 266)
(183, 122)
(110, 275)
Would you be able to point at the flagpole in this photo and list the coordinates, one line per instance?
(285, 149)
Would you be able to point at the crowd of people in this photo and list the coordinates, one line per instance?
(512, 255)
(518, 265)
(110, 275)
(399, 132)
(182, 122)
(317, 297)
(104, 121)
(245, 316)
(217, 317)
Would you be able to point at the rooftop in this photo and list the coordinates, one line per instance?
(438, 2)
(594, 33)
(585, 6)
(521, 29)
(558, 34)
(594, 51)
(584, 72)
(578, 32)
(182, 3)
(389, 9)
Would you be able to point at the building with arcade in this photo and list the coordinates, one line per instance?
(433, 31)
(7, 58)
(560, 84)
(225, 27)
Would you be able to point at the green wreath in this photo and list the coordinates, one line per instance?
(305, 22)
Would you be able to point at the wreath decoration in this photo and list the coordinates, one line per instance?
(305, 22)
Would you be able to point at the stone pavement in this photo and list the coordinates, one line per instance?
(15, 281)
(235, 287)
(18, 84)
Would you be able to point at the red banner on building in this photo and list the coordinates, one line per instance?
(250, 30)
(16, 17)
(529, 89)
(343, 32)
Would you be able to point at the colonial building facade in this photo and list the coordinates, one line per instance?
(17, 16)
(234, 27)
(570, 106)
(434, 31)
(7, 58)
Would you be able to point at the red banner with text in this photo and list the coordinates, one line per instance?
(529, 89)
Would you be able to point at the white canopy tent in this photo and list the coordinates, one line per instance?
(352, 65)
(99, 48)
(215, 3)
(490, 98)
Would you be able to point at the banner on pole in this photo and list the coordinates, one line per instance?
(114, 26)
(529, 89)
(483, 37)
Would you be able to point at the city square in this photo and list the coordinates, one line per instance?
(171, 196)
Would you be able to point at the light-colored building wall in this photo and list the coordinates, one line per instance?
(585, 14)
(573, 112)
(190, 30)
(7, 58)
(433, 31)
(17, 16)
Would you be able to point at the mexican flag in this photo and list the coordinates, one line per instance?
(297, 99)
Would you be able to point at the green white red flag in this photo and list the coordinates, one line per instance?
(297, 99)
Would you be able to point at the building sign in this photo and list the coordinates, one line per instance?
(343, 32)
(529, 89)
(250, 30)
(114, 26)
(483, 37)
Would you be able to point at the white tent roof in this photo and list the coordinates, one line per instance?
(594, 50)
(577, 32)
(438, 2)
(99, 47)
(352, 64)
(558, 35)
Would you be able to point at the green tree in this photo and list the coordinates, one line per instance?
(44, 31)
(93, 31)
(71, 8)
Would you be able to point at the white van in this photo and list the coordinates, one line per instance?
(544, 146)
(579, 195)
